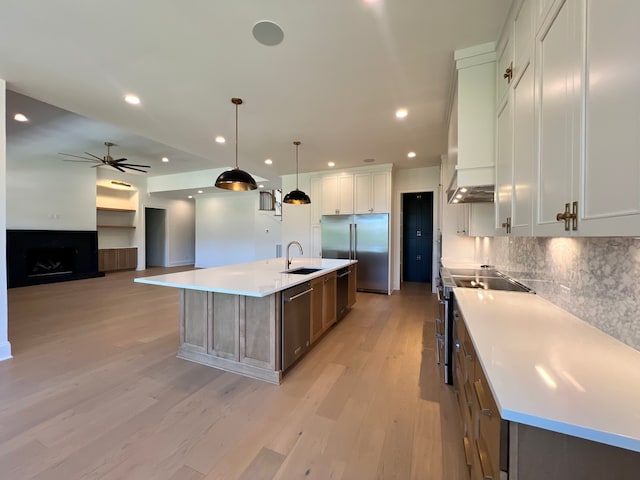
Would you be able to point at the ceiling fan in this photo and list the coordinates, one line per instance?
(107, 160)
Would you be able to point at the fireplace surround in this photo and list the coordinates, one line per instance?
(46, 256)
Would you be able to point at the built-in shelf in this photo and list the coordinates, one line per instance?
(107, 209)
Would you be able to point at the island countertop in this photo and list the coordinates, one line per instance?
(252, 279)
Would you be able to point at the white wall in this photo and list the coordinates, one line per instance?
(230, 229)
(49, 194)
(296, 219)
(180, 232)
(5, 346)
(425, 179)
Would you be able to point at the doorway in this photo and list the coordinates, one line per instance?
(417, 236)
(155, 237)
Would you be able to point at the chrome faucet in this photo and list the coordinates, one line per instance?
(288, 264)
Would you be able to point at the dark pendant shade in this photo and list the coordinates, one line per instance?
(296, 197)
(236, 180)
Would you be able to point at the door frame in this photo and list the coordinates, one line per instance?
(144, 235)
(397, 235)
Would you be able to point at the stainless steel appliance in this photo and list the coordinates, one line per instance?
(480, 278)
(296, 319)
(342, 292)
(364, 238)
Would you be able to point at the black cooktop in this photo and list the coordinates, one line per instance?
(485, 279)
(490, 283)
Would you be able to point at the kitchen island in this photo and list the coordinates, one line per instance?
(230, 316)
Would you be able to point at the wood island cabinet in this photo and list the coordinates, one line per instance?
(323, 304)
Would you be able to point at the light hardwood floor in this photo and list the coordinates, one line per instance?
(94, 391)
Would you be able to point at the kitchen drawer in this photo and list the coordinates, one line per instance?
(489, 426)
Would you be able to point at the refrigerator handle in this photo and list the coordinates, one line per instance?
(355, 241)
(350, 240)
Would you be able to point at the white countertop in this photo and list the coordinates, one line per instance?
(549, 369)
(253, 279)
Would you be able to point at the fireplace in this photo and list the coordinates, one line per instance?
(46, 256)
(50, 261)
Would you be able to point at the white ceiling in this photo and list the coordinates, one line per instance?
(334, 82)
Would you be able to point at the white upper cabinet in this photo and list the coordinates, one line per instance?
(609, 181)
(337, 194)
(504, 168)
(559, 111)
(515, 125)
(588, 104)
(524, 150)
(315, 192)
(372, 192)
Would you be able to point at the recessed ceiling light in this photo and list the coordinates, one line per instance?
(459, 195)
(19, 117)
(165, 159)
(200, 191)
(132, 99)
(401, 113)
(455, 200)
(268, 161)
(463, 189)
(260, 186)
(411, 154)
(331, 164)
(190, 196)
(220, 139)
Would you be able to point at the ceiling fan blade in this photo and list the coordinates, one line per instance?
(94, 156)
(134, 165)
(117, 167)
(79, 161)
(133, 168)
(76, 156)
(120, 160)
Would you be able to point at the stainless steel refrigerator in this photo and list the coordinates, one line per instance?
(364, 238)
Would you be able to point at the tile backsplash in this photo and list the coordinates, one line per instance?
(596, 279)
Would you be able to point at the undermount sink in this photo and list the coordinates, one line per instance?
(303, 270)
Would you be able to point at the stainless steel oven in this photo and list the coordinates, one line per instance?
(443, 326)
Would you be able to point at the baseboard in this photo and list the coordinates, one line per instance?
(182, 263)
(5, 351)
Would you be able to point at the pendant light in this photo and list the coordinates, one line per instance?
(236, 179)
(297, 197)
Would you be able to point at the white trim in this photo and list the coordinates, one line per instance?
(5, 351)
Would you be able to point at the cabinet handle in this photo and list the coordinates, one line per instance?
(570, 218)
(508, 73)
(507, 225)
(467, 453)
(479, 388)
(484, 460)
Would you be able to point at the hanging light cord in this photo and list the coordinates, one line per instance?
(296, 143)
(236, 134)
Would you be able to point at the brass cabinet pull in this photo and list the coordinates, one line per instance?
(507, 225)
(484, 462)
(508, 73)
(479, 388)
(569, 216)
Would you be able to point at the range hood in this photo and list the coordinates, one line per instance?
(472, 127)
